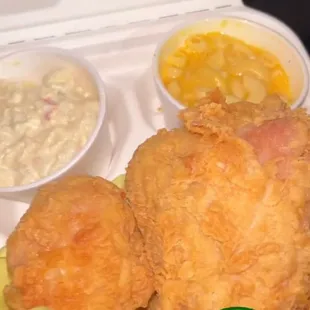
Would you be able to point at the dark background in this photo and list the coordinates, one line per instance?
(295, 14)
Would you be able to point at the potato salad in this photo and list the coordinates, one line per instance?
(44, 125)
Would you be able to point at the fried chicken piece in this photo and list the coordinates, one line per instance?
(78, 247)
(221, 224)
(279, 135)
(213, 115)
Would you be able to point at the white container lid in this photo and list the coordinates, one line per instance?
(37, 19)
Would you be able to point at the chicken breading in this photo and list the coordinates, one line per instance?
(78, 247)
(222, 207)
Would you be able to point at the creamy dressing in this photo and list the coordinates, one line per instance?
(43, 126)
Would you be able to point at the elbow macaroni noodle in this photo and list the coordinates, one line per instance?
(240, 71)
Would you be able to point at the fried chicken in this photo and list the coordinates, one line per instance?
(78, 247)
(222, 205)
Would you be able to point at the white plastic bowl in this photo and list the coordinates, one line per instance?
(32, 65)
(293, 60)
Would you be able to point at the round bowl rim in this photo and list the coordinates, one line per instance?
(79, 61)
(301, 55)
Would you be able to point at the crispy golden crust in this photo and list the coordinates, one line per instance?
(220, 229)
(215, 116)
(78, 247)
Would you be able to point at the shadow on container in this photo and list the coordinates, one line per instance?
(149, 103)
(118, 122)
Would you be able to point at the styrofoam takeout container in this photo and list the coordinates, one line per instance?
(293, 60)
(119, 39)
(32, 65)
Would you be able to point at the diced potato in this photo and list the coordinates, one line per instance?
(196, 45)
(231, 99)
(172, 73)
(211, 78)
(191, 97)
(280, 83)
(176, 61)
(243, 50)
(61, 78)
(199, 47)
(174, 89)
(254, 67)
(220, 42)
(202, 92)
(255, 87)
(206, 77)
(237, 88)
(221, 83)
(216, 60)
